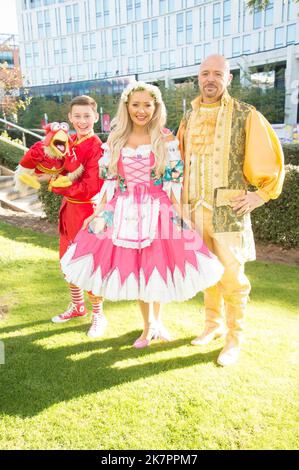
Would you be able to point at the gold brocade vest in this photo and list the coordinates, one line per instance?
(227, 164)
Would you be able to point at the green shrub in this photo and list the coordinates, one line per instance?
(9, 155)
(51, 202)
(277, 221)
(291, 154)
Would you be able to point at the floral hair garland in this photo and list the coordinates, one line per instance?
(141, 86)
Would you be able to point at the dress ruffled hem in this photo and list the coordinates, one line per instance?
(176, 287)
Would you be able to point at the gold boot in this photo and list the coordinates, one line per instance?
(214, 321)
(235, 315)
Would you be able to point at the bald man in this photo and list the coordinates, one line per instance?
(227, 145)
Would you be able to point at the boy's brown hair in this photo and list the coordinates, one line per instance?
(84, 100)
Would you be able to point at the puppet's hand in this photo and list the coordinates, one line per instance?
(29, 180)
(61, 182)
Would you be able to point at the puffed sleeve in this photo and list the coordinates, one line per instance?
(173, 175)
(110, 181)
(264, 161)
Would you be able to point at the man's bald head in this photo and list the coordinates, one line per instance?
(214, 77)
(216, 61)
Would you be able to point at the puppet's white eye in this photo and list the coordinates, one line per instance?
(64, 126)
(55, 126)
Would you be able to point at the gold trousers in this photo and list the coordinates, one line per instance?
(229, 297)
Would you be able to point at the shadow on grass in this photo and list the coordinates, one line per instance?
(34, 378)
(24, 235)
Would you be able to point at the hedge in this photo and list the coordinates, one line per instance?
(10, 156)
(51, 202)
(277, 221)
(291, 154)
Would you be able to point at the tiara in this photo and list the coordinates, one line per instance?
(141, 86)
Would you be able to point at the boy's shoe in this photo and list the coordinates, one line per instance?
(98, 326)
(73, 311)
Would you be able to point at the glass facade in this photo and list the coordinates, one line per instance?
(279, 37)
(102, 37)
(216, 20)
(227, 17)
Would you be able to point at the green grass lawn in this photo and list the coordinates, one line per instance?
(61, 390)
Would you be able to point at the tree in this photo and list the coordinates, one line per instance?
(260, 4)
(10, 83)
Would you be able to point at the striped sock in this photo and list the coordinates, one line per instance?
(97, 304)
(77, 294)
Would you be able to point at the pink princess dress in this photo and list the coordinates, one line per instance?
(138, 247)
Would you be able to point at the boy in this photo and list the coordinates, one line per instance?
(78, 203)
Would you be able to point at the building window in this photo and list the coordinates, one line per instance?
(76, 17)
(44, 76)
(129, 11)
(146, 36)
(47, 23)
(257, 18)
(236, 47)
(64, 51)
(180, 28)
(57, 58)
(279, 33)
(216, 20)
(154, 35)
(137, 9)
(149, 8)
(172, 61)
(197, 54)
(69, 22)
(163, 60)
(51, 76)
(34, 3)
(291, 10)
(58, 22)
(93, 46)
(239, 16)
(106, 12)
(171, 5)
(226, 17)
(131, 65)
(162, 7)
(202, 23)
(207, 49)
(115, 42)
(98, 14)
(246, 43)
(7, 56)
(269, 13)
(123, 40)
(189, 27)
(40, 26)
(139, 64)
(291, 34)
(85, 47)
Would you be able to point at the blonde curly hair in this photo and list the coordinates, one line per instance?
(121, 127)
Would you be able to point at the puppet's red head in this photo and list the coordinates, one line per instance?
(56, 142)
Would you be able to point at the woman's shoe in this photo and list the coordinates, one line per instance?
(143, 343)
(163, 334)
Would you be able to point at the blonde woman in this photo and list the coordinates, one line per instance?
(135, 245)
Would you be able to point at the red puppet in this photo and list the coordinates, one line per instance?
(53, 155)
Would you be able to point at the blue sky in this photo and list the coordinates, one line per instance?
(8, 17)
